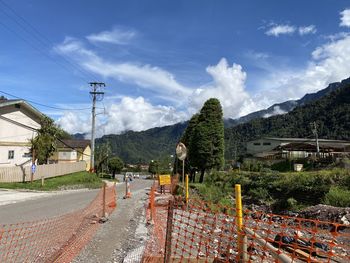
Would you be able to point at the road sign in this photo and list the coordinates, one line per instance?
(33, 168)
(164, 179)
(181, 151)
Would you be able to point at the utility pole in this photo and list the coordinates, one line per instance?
(97, 95)
(314, 131)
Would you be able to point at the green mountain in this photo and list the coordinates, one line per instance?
(330, 108)
(331, 113)
(141, 147)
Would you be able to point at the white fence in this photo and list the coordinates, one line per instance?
(21, 174)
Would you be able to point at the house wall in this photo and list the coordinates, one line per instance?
(15, 137)
(67, 156)
(64, 155)
(86, 157)
(261, 145)
(21, 156)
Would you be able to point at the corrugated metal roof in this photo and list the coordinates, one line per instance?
(305, 140)
(67, 143)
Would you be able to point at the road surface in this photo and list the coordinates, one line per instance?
(46, 205)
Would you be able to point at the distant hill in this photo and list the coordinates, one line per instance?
(141, 147)
(329, 107)
(285, 107)
(79, 136)
(330, 111)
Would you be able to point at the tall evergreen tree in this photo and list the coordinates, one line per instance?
(207, 142)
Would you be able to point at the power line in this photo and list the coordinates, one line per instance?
(41, 39)
(43, 105)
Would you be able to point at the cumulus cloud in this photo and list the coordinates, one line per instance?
(305, 30)
(229, 87)
(128, 114)
(137, 114)
(73, 122)
(117, 36)
(278, 30)
(345, 18)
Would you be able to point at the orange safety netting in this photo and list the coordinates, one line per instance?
(157, 213)
(202, 232)
(57, 239)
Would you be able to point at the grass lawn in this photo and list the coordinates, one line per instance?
(69, 181)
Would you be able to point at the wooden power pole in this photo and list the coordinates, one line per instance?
(97, 95)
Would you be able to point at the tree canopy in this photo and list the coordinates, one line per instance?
(45, 143)
(205, 138)
(115, 165)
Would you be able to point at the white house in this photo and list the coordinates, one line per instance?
(18, 124)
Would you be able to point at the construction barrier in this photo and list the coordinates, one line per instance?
(57, 239)
(199, 231)
(157, 213)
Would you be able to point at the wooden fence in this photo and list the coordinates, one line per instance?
(23, 174)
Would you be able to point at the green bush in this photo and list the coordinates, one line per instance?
(338, 196)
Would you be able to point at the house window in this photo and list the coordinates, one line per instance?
(11, 154)
(256, 143)
(266, 143)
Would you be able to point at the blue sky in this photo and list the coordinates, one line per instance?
(162, 59)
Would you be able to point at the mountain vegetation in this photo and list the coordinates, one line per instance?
(331, 113)
(141, 147)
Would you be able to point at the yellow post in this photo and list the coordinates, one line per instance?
(187, 194)
(242, 243)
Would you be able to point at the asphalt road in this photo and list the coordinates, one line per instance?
(59, 203)
(46, 206)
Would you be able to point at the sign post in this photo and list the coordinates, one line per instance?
(181, 153)
(33, 169)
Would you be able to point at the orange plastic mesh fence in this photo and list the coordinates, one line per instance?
(57, 239)
(157, 213)
(203, 232)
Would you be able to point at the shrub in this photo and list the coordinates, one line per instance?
(338, 196)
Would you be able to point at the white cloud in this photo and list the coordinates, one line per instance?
(305, 30)
(137, 114)
(329, 63)
(277, 30)
(345, 18)
(229, 87)
(115, 36)
(146, 76)
(73, 122)
(276, 111)
(128, 114)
